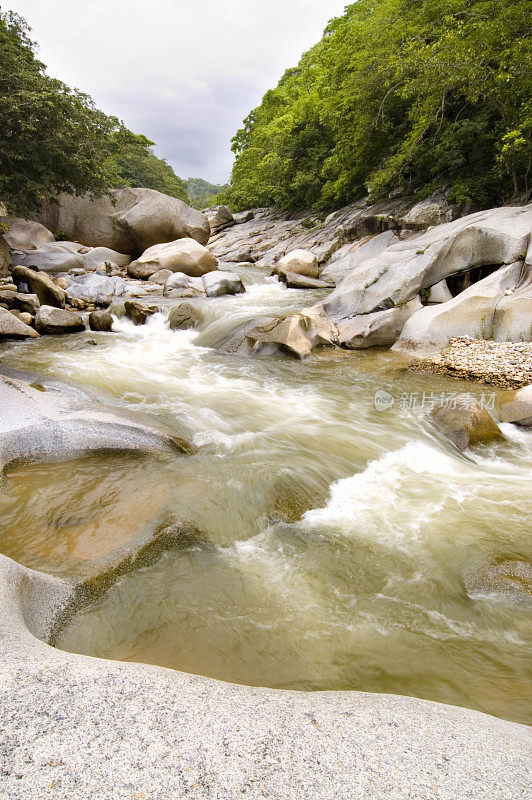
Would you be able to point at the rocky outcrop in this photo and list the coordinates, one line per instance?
(109, 729)
(60, 422)
(498, 307)
(129, 221)
(184, 255)
(11, 327)
(465, 422)
(395, 276)
(57, 321)
(219, 217)
(433, 210)
(379, 329)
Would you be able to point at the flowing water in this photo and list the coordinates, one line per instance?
(336, 533)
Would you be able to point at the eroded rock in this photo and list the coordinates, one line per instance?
(48, 292)
(59, 321)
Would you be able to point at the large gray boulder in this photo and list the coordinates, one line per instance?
(98, 255)
(183, 255)
(12, 328)
(180, 285)
(395, 276)
(51, 320)
(47, 291)
(433, 210)
(380, 329)
(132, 220)
(218, 283)
(92, 288)
(49, 424)
(498, 307)
(51, 259)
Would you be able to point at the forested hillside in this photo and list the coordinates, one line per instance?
(417, 94)
(202, 193)
(53, 139)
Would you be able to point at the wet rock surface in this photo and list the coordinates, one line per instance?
(465, 422)
(508, 580)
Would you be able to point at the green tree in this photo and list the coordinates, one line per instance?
(52, 138)
(420, 93)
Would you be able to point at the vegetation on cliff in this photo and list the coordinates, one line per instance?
(418, 94)
(53, 139)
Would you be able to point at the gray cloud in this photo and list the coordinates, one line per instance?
(184, 73)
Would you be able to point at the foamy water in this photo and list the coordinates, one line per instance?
(335, 538)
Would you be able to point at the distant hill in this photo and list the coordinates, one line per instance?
(202, 193)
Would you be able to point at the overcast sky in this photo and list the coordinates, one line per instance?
(183, 72)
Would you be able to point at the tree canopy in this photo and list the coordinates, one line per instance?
(53, 139)
(422, 94)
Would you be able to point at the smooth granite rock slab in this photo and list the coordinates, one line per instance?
(89, 729)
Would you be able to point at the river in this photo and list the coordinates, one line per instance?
(336, 526)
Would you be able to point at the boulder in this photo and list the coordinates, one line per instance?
(508, 580)
(48, 292)
(295, 281)
(92, 288)
(218, 283)
(183, 255)
(517, 407)
(129, 221)
(498, 307)
(434, 210)
(302, 262)
(185, 315)
(297, 334)
(58, 421)
(13, 328)
(439, 293)
(51, 320)
(5, 258)
(139, 312)
(25, 317)
(180, 285)
(219, 217)
(351, 255)
(100, 321)
(380, 329)
(243, 216)
(99, 255)
(161, 276)
(25, 234)
(399, 273)
(465, 422)
(49, 260)
(27, 303)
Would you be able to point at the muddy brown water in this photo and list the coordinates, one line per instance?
(337, 528)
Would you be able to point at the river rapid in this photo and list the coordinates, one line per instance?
(336, 527)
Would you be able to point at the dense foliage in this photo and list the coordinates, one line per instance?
(202, 193)
(53, 139)
(421, 94)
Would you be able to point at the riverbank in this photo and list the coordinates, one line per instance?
(507, 365)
